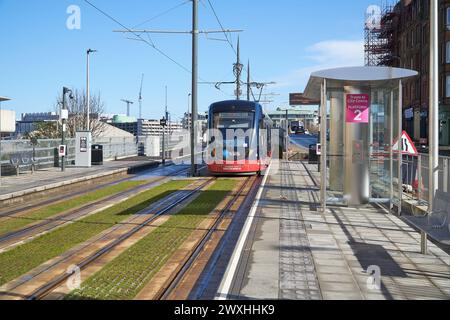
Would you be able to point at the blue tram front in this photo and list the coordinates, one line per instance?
(239, 138)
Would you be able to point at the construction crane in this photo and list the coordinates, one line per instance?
(140, 97)
(128, 102)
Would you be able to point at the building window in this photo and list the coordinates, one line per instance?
(447, 89)
(447, 54)
(448, 17)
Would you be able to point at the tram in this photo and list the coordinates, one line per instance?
(239, 138)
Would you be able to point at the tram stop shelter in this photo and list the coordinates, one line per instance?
(363, 111)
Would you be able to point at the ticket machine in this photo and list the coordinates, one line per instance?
(83, 147)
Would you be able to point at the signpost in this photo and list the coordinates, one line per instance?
(407, 145)
(298, 99)
(357, 108)
(62, 150)
(319, 149)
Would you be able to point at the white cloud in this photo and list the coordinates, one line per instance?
(325, 55)
(339, 53)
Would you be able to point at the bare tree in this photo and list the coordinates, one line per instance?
(77, 113)
(43, 130)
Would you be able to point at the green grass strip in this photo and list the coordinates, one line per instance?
(24, 258)
(17, 223)
(124, 277)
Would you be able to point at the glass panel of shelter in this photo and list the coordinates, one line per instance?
(381, 134)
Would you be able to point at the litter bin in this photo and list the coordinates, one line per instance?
(56, 158)
(313, 157)
(97, 155)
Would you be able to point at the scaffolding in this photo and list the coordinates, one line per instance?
(380, 36)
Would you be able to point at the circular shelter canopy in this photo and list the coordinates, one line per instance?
(386, 77)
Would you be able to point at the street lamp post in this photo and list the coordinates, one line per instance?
(64, 116)
(88, 94)
(433, 113)
(1, 100)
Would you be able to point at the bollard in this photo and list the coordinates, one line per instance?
(424, 243)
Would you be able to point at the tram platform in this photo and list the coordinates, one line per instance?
(294, 251)
(52, 178)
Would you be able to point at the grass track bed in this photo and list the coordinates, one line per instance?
(24, 258)
(124, 277)
(16, 223)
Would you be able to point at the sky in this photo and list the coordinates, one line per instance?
(284, 41)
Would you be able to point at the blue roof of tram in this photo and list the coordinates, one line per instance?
(235, 103)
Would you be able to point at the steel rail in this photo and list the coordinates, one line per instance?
(205, 239)
(47, 288)
(78, 212)
(20, 209)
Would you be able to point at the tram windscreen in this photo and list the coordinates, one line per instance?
(234, 120)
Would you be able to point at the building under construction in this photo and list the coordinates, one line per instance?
(381, 36)
(397, 35)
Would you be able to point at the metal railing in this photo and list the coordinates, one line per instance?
(415, 174)
(113, 148)
(44, 151)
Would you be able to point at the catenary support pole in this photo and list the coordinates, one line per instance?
(433, 117)
(194, 87)
(248, 81)
(434, 103)
(168, 128)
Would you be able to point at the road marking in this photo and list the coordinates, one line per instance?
(225, 285)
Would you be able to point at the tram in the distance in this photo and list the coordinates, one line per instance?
(239, 138)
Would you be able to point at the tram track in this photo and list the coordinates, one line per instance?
(32, 206)
(16, 237)
(21, 210)
(184, 279)
(112, 238)
(48, 280)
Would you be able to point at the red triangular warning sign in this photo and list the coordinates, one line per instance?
(407, 146)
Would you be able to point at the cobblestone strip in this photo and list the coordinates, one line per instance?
(298, 280)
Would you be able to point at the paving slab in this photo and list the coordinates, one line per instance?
(305, 254)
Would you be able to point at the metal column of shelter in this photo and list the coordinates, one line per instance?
(352, 96)
(324, 147)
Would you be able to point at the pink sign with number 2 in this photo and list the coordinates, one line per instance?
(358, 106)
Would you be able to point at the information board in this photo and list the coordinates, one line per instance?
(358, 107)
